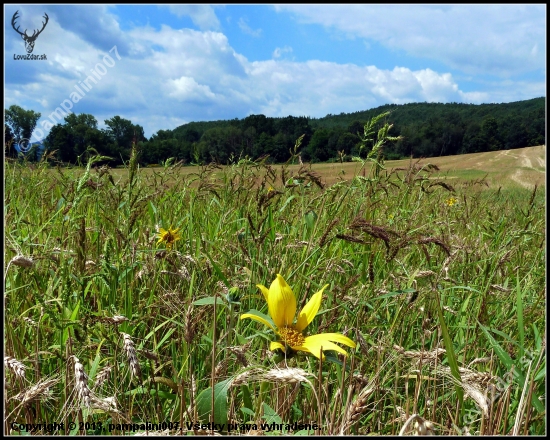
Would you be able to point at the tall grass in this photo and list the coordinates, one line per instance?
(446, 301)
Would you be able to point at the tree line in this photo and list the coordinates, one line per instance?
(426, 130)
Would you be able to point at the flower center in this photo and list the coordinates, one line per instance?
(291, 337)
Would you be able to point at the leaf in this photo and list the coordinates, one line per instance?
(165, 337)
(508, 363)
(152, 212)
(287, 201)
(270, 415)
(204, 403)
(209, 300)
(451, 355)
(519, 310)
(218, 271)
(310, 218)
(247, 411)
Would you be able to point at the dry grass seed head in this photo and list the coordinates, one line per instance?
(476, 385)
(22, 261)
(81, 383)
(275, 375)
(30, 321)
(16, 367)
(102, 376)
(421, 426)
(421, 356)
(240, 353)
(39, 391)
(424, 274)
(107, 404)
(131, 354)
(357, 408)
(115, 320)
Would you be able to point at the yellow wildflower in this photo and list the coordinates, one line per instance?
(281, 304)
(451, 201)
(169, 236)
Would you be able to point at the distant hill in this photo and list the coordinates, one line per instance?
(400, 114)
(427, 129)
(414, 112)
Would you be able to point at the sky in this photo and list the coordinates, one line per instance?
(162, 66)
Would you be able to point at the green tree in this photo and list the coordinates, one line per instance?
(318, 149)
(280, 150)
(22, 124)
(120, 134)
(8, 139)
(264, 145)
(490, 134)
(347, 142)
(473, 141)
(72, 139)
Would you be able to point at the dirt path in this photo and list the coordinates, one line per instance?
(525, 162)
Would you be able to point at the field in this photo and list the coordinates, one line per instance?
(525, 167)
(125, 289)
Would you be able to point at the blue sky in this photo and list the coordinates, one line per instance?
(179, 63)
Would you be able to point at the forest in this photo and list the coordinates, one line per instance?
(426, 130)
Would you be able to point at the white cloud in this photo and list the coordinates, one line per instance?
(243, 25)
(203, 16)
(187, 89)
(278, 52)
(316, 88)
(170, 76)
(493, 39)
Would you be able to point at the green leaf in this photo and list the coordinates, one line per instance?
(247, 411)
(270, 415)
(209, 300)
(519, 310)
(218, 270)
(311, 218)
(509, 363)
(165, 337)
(287, 201)
(152, 212)
(204, 403)
(451, 355)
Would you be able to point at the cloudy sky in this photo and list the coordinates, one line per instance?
(164, 66)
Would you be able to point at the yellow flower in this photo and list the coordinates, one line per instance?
(281, 304)
(451, 201)
(169, 236)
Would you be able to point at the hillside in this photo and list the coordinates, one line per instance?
(424, 130)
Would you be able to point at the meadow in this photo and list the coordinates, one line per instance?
(435, 270)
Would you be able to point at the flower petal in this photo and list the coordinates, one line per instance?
(275, 345)
(310, 310)
(281, 302)
(265, 291)
(259, 319)
(314, 344)
(336, 337)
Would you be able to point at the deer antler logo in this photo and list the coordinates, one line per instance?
(29, 39)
